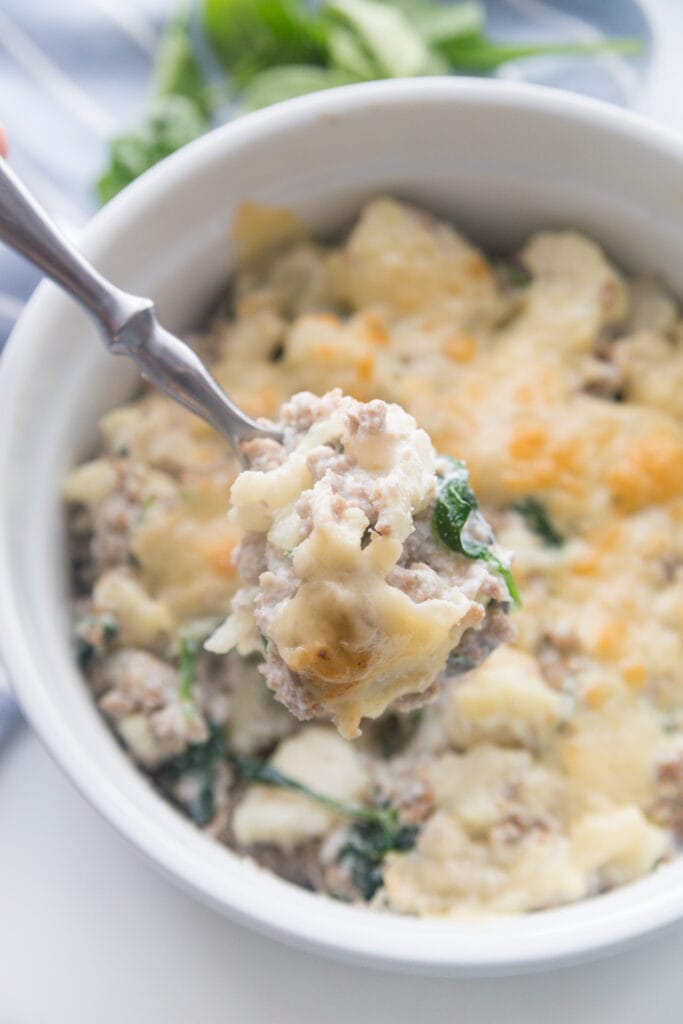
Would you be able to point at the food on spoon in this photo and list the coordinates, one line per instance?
(346, 572)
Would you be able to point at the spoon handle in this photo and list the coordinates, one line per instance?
(27, 228)
(128, 322)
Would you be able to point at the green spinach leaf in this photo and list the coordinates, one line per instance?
(367, 845)
(255, 770)
(198, 756)
(199, 762)
(440, 25)
(276, 49)
(391, 42)
(189, 650)
(514, 274)
(455, 503)
(393, 731)
(347, 53)
(479, 54)
(249, 36)
(536, 518)
(172, 121)
(375, 831)
(93, 633)
(176, 69)
(288, 81)
(177, 114)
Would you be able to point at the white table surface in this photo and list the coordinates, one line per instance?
(90, 934)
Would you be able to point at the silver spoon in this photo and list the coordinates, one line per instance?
(128, 323)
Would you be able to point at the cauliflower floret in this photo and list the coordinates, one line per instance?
(575, 290)
(509, 836)
(505, 700)
(401, 262)
(316, 757)
(142, 620)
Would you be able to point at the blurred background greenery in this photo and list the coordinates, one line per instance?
(247, 54)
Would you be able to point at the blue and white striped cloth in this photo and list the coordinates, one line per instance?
(74, 73)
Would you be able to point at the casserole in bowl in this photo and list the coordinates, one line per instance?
(501, 163)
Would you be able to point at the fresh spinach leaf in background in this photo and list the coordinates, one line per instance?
(440, 25)
(178, 113)
(176, 69)
(171, 122)
(249, 36)
(187, 670)
(198, 763)
(347, 54)
(272, 50)
(288, 81)
(384, 32)
(481, 55)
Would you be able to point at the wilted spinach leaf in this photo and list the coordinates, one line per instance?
(189, 651)
(514, 274)
(536, 518)
(199, 762)
(367, 845)
(393, 731)
(455, 503)
(92, 634)
(255, 770)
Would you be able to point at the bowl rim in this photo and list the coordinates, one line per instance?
(315, 922)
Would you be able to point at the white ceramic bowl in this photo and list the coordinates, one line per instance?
(502, 160)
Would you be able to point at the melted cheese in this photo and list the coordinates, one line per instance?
(578, 714)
